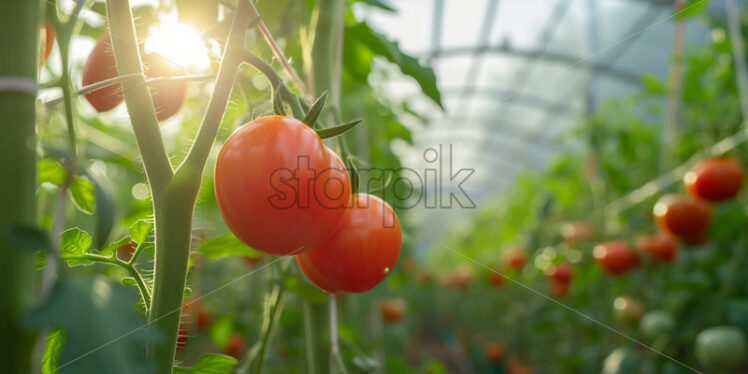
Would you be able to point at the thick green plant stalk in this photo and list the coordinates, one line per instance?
(324, 28)
(19, 24)
(174, 192)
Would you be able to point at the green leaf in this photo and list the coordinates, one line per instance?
(55, 341)
(74, 242)
(378, 44)
(221, 330)
(654, 84)
(313, 113)
(140, 230)
(337, 130)
(100, 324)
(84, 195)
(26, 237)
(226, 245)
(49, 170)
(40, 260)
(210, 363)
(693, 8)
(128, 281)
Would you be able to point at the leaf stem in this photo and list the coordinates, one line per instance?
(273, 309)
(113, 260)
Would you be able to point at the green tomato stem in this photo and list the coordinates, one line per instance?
(145, 293)
(273, 310)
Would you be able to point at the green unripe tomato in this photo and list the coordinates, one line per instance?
(656, 323)
(721, 347)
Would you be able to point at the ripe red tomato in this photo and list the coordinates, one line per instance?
(496, 279)
(494, 351)
(661, 246)
(126, 251)
(716, 179)
(235, 346)
(361, 253)
(279, 189)
(562, 272)
(682, 215)
(100, 65)
(392, 310)
(517, 258)
(578, 232)
(615, 257)
(628, 310)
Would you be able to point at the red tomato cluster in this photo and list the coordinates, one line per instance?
(710, 181)
(282, 192)
(168, 97)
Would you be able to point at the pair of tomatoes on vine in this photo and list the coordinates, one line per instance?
(168, 97)
(282, 192)
(710, 181)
